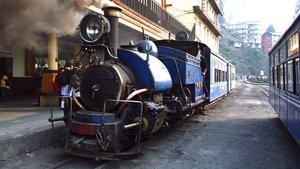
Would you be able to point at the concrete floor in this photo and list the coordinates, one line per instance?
(241, 131)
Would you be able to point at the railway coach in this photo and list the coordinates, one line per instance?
(284, 91)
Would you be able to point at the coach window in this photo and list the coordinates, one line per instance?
(284, 77)
(216, 75)
(272, 77)
(275, 76)
(290, 79)
(219, 75)
(281, 76)
(278, 77)
(216, 70)
(276, 57)
(293, 45)
(232, 76)
(282, 53)
(297, 71)
(271, 61)
(222, 75)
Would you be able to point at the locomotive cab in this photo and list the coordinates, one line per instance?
(186, 62)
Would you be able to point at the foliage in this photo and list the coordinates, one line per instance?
(297, 8)
(271, 29)
(248, 60)
(258, 80)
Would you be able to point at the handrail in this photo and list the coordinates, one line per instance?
(137, 123)
(154, 12)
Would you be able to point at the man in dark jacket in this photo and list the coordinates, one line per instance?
(65, 82)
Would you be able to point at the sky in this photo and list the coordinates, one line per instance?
(279, 13)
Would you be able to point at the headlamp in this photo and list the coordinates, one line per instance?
(93, 26)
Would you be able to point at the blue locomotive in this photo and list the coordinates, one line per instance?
(131, 92)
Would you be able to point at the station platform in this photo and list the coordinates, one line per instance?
(24, 126)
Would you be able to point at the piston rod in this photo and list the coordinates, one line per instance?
(129, 126)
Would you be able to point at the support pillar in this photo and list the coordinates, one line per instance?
(52, 51)
(48, 93)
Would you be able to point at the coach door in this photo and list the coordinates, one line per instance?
(228, 77)
(294, 102)
(283, 95)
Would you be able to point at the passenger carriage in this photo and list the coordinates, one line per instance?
(284, 86)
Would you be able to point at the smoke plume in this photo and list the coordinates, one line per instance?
(21, 19)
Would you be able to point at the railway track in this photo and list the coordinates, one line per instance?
(264, 89)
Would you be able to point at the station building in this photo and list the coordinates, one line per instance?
(201, 14)
(268, 39)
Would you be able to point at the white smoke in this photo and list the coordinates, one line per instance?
(21, 19)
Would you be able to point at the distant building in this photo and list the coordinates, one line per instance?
(203, 14)
(246, 32)
(268, 40)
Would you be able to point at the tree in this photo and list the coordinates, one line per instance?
(248, 60)
(271, 29)
(221, 17)
(297, 7)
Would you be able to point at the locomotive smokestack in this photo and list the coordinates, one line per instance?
(112, 13)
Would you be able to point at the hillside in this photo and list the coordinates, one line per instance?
(248, 60)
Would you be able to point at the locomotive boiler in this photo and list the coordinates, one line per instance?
(129, 93)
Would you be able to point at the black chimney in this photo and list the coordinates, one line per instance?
(112, 13)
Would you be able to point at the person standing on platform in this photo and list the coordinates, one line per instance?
(205, 52)
(76, 77)
(57, 85)
(79, 69)
(65, 82)
(4, 88)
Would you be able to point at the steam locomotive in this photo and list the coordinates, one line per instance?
(131, 92)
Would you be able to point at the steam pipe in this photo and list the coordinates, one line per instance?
(133, 94)
(76, 100)
(112, 13)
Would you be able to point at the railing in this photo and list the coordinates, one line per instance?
(154, 12)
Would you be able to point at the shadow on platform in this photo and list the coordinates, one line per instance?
(20, 101)
(24, 126)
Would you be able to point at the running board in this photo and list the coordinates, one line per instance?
(211, 104)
